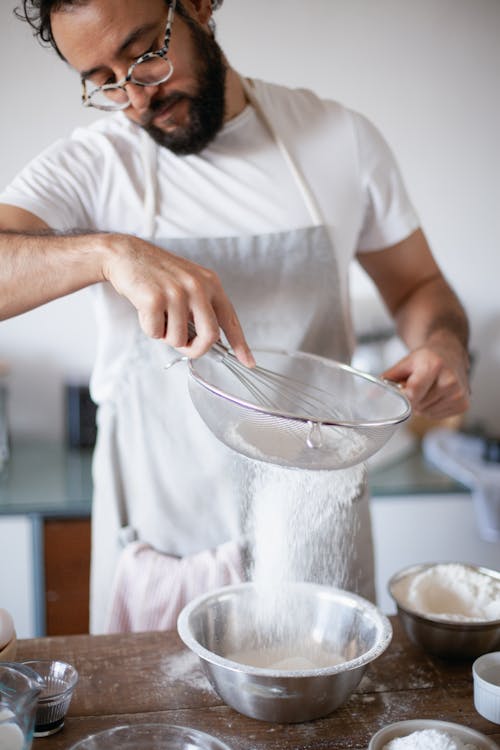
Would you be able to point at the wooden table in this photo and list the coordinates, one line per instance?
(151, 677)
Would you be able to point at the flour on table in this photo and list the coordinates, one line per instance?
(429, 739)
(451, 591)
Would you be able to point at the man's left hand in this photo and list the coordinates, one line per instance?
(435, 379)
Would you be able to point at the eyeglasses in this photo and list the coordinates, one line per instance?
(150, 69)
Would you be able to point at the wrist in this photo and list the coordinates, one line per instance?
(450, 344)
(110, 247)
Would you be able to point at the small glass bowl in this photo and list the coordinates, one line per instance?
(53, 702)
(150, 737)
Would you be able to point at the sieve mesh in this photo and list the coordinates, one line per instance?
(296, 410)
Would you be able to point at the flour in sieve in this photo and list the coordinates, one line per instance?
(451, 591)
(284, 443)
(428, 739)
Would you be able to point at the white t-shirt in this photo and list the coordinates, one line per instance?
(239, 185)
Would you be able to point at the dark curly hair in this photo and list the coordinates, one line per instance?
(37, 14)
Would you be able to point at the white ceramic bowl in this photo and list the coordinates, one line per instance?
(8, 652)
(7, 629)
(404, 728)
(486, 674)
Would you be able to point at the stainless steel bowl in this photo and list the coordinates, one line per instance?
(447, 638)
(222, 623)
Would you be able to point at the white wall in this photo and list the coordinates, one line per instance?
(427, 74)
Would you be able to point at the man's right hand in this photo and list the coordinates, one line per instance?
(167, 290)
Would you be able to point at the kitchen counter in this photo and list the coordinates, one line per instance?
(46, 478)
(49, 479)
(152, 677)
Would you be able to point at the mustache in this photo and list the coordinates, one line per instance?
(156, 106)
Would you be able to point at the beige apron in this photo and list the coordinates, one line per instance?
(160, 476)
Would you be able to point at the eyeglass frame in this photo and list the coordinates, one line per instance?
(162, 52)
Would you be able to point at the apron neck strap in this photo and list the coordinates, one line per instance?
(307, 194)
(148, 149)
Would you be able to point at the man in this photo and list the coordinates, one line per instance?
(203, 191)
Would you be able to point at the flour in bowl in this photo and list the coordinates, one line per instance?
(428, 739)
(451, 591)
(281, 659)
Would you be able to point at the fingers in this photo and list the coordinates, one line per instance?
(434, 386)
(206, 303)
(168, 291)
(231, 326)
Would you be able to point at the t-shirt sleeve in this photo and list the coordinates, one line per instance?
(389, 216)
(59, 186)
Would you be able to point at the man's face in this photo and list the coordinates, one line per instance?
(106, 36)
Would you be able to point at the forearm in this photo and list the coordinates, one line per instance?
(165, 289)
(36, 268)
(432, 313)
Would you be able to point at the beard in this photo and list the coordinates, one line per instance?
(206, 107)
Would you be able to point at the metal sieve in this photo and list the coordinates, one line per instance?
(295, 409)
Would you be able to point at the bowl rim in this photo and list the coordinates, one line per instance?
(73, 677)
(178, 731)
(415, 725)
(382, 622)
(414, 569)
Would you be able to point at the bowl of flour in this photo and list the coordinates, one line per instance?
(428, 734)
(450, 609)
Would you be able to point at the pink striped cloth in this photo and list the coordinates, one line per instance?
(151, 588)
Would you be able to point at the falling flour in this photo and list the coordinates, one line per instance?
(428, 739)
(301, 525)
(451, 591)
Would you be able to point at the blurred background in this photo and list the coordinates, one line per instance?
(426, 73)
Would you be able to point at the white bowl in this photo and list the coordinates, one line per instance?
(8, 652)
(404, 728)
(486, 674)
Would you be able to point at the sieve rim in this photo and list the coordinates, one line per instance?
(356, 425)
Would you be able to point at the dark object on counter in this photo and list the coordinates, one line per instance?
(59, 680)
(491, 450)
(81, 428)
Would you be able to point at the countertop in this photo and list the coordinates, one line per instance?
(152, 677)
(50, 479)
